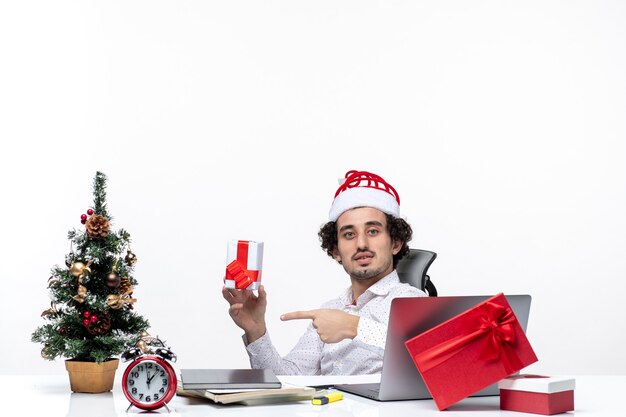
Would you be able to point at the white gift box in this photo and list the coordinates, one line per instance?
(537, 394)
(244, 260)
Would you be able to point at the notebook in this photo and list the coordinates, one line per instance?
(408, 317)
(207, 379)
(287, 393)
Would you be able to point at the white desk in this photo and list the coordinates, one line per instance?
(50, 396)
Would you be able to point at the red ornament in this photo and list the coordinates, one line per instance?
(86, 322)
(90, 212)
(83, 221)
(62, 330)
(86, 314)
(83, 217)
(93, 318)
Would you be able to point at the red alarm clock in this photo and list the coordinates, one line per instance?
(149, 382)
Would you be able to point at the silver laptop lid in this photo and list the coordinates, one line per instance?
(410, 316)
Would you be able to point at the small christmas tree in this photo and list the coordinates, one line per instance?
(91, 315)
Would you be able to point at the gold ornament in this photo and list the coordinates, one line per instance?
(146, 341)
(81, 292)
(51, 311)
(151, 344)
(79, 269)
(116, 302)
(45, 354)
(97, 226)
(143, 346)
(131, 258)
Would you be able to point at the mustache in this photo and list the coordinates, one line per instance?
(363, 252)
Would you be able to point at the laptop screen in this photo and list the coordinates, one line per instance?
(411, 316)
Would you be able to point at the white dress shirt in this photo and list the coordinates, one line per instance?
(361, 355)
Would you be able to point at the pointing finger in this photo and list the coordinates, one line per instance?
(299, 315)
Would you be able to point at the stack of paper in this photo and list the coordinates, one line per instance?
(245, 386)
(286, 393)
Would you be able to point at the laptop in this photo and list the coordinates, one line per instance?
(408, 317)
(208, 379)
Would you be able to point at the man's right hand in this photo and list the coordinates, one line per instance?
(247, 310)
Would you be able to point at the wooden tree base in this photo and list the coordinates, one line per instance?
(91, 377)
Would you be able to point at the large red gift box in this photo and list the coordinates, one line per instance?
(471, 351)
(537, 394)
(244, 264)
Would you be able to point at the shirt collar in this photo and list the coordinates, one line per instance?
(382, 287)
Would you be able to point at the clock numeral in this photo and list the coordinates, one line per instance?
(134, 390)
(131, 382)
(156, 397)
(135, 374)
(140, 396)
(162, 390)
(148, 399)
(164, 381)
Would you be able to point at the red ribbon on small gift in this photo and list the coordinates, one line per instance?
(237, 269)
(498, 334)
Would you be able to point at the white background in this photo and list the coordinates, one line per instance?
(501, 124)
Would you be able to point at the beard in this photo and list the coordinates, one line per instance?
(372, 271)
(365, 274)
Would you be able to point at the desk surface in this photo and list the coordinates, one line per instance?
(50, 396)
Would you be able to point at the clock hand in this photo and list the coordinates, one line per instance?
(151, 378)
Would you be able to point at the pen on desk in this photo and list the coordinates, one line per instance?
(327, 398)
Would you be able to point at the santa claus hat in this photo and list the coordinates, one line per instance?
(364, 189)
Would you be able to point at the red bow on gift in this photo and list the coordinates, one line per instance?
(495, 328)
(236, 270)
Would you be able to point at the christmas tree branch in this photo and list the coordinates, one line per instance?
(100, 195)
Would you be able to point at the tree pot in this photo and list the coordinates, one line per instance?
(91, 377)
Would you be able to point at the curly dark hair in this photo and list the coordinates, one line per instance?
(398, 229)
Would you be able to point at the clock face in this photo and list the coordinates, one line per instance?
(149, 382)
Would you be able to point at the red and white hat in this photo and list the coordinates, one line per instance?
(364, 189)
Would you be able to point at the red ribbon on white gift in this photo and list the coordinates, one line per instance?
(238, 270)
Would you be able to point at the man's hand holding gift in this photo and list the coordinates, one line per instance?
(247, 310)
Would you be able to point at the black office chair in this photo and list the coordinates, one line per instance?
(412, 270)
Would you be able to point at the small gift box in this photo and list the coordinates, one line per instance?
(537, 394)
(244, 263)
(471, 351)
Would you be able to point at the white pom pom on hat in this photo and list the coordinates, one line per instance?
(364, 189)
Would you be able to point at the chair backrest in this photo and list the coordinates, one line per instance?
(412, 270)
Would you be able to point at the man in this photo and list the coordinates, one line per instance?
(347, 335)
